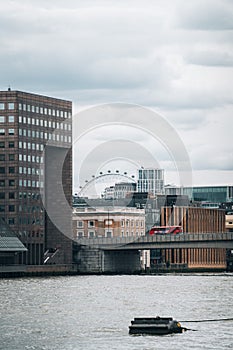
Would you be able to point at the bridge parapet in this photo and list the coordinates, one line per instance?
(185, 240)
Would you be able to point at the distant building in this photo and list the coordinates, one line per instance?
(205, 194)
(195, 220)
(151, 180)
(28, 123)
(229, 221)
(124, 189)
(108, 192)
(108, 222)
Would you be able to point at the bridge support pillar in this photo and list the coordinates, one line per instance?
(121, 261)
(94, 260)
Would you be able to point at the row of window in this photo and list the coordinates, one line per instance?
(29, 195)
(10, 208)
(25, 183)
(7, 132)
(44, 123)
(10, 119)
(30, 158)
(30, 221)
(31, 183)
(126, 223)
(10, 221)
(9, 144)
(9, 105)
(44, 110)
(109, 234)
(41, 135)
(30, 209)
(11, 195)
(31, 171)
(3, 157)
(3, 170)
(35, 109)
(33, 146)
(10, 183)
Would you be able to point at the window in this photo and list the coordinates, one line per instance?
(2, 183)
(2, 157)
(11, 118)
(108, 234)
(11, 208)
(108, 222)
(11, 169)
(91, 234)
(2, 208)
(2, 105)
(11, 221)
(11, 105)
(11, 183)
(79, 223)
(11, 195)
(11, 144)
(11, 157)
(2, 170)
(2, 132)
(2, 195)
(2, 119)
(91, 223)
(11, 131)
(2, 144)
(79, 234)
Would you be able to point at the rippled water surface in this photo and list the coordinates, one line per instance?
(94, 312)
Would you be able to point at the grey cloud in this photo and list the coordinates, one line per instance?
(211, 57)
(210, 15)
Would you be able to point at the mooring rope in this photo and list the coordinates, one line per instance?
(213, 320)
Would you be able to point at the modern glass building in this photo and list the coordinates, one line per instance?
(151, 180)
(211, 194)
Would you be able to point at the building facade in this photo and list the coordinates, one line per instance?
(205, 194)
(151, 180)
(35, 134)
(108, 222)
(195, 220)
(124, 189)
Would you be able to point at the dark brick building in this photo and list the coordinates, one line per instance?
(36, 167)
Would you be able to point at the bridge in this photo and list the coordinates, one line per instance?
(185, 240)
(122, 254)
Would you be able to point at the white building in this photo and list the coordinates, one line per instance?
(151, 180)
(122, 189)
(108, 222)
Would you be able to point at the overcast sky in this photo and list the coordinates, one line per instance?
(174, 57)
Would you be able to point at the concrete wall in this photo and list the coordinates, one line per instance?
(93, 260)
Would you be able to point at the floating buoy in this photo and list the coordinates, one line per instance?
(155, 326)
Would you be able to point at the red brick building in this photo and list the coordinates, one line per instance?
(35, 135)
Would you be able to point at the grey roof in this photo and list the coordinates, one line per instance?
(8, 240)
(11, 244)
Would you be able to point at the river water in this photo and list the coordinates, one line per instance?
(94, 312)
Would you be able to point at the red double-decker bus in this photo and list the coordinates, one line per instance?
(164, 230)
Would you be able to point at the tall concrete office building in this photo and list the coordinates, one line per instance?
(150, 180)
(36, 174)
